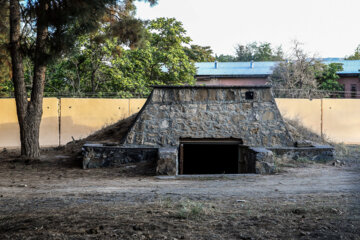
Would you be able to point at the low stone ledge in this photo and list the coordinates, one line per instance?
(320, 153)
(259, 160)
(98, 155)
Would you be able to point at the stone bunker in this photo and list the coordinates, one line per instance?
(205, 130)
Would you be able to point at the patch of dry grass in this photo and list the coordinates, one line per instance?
(301, 133)
(343, 152)
(114, 133)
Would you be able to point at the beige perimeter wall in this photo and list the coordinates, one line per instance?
(83, 116)
(341, 120)
(337, 119)
(306, 111)
(74, 118)
(9, 128)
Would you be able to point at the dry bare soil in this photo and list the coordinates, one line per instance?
(55, 199)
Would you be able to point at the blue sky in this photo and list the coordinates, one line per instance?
(328, 28)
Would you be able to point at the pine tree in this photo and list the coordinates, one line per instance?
(50, 29)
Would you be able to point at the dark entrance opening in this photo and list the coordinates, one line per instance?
(214, 157)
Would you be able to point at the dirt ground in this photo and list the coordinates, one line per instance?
(56, 199)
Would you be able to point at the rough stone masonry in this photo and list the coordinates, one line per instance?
(172, 113)
(208, 112)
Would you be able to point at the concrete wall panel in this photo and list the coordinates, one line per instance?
(81, 117)
(341, 120)
(307, 112)
(9, 127)
(49, 127)
(136, 105)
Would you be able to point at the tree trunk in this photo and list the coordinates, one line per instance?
(17, 67)
(29, 112)
(92, 79)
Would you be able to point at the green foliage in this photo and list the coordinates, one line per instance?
(327, 77)
(258, 52)
(356, 55)
(167, 40)
(77, 44)
(68, 19)
(65, 20)
(225, 58)
(198, 53)
(101, 65)
(253, 52)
